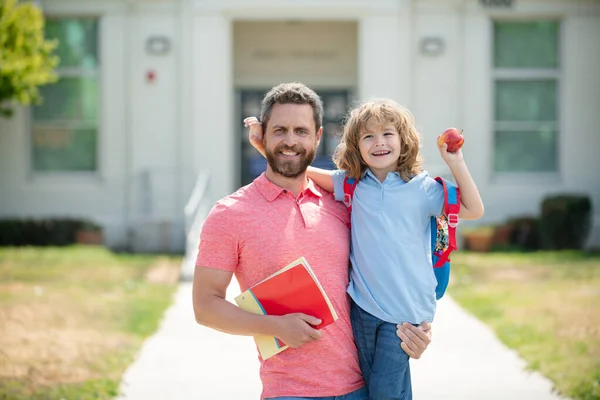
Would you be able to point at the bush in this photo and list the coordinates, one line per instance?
(41, 232)
(565, 221)
(524, 234)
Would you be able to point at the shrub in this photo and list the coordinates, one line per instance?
(565, 221)
(41, 232)
(524, 233)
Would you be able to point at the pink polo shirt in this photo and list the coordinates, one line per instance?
(262, 228)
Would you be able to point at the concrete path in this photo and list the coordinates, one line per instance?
(184, 361)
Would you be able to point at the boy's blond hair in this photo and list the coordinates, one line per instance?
(380, 112)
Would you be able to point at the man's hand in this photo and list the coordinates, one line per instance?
(297, 329)
(415, 339)
(255, 134)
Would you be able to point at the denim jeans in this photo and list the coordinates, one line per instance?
(360, 394)
(383, 363)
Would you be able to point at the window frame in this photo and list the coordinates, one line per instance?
(71, 72)
(527, 74)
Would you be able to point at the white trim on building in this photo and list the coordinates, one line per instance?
(166, 117)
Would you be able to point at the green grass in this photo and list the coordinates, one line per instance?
(74, 318)
(545, 305)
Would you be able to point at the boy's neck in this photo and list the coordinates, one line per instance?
(294, 185)
(380, 174)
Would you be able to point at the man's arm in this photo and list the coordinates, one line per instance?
(214, 311)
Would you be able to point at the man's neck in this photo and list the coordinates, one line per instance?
(294, 185)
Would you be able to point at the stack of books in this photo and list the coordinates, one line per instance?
(292, 289)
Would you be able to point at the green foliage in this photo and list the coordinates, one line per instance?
(26, 57)
(43, 232)
(565, 221)
(99, 292)
(541, 304)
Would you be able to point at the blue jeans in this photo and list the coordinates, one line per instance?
(360, 394)
(383, 363)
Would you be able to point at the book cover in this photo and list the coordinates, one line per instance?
(292, 289)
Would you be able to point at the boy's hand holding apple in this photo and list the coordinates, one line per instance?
(450, 143)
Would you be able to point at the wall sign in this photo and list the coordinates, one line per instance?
(497, 3)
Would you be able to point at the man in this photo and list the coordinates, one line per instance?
(264, 226)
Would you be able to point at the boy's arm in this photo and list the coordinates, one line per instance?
(322, 177)
(471, 206)
(255, 134)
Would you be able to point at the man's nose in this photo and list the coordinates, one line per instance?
(289, 139)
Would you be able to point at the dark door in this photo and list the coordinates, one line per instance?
(335, 103)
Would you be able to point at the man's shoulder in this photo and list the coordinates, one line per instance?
(238, 203)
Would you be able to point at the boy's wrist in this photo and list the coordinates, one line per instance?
(455, 163)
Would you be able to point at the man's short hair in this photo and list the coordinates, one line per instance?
(291, 93)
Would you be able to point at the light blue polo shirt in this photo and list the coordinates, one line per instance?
(392, 276)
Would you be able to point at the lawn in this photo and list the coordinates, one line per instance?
(73, 318)
(544, 305)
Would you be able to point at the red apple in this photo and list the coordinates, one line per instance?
(453, 138)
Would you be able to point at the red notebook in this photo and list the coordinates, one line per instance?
(294, 288)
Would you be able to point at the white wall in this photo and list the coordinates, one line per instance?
(321, 54)
(99, 196)
(141, 135)
(184, 122)
(508, 196)
(214, 127)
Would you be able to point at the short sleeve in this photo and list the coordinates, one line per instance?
(434, 192)
(338, 184)
(218, 247)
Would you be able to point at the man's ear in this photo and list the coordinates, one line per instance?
(319, 134)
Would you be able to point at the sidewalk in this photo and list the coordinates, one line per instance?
(185, 361)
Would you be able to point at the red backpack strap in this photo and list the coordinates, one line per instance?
(349, 187)
(451, 210)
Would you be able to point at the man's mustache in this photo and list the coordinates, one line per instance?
(295, 149)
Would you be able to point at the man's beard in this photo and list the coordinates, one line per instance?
(289, 168)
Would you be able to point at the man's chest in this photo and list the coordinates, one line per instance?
(274, 237)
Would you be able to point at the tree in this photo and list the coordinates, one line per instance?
(26, 57)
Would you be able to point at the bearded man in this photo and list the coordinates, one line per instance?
(264, 226)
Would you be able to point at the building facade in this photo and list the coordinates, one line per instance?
(152, 93)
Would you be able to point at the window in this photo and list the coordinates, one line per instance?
(526, 82)
(64, 132)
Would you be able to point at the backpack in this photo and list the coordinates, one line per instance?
(443, 230)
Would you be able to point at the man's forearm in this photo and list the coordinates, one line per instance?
(217, 313)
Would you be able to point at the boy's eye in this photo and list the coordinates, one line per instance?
(389, 134)
(367, 136)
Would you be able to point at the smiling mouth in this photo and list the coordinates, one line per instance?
(381, 153)
(289, 153)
